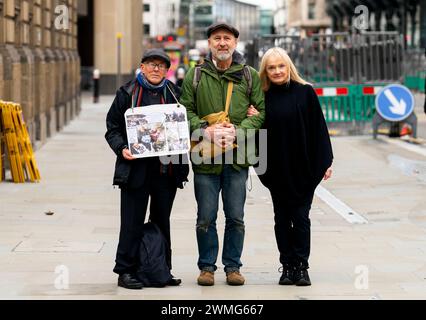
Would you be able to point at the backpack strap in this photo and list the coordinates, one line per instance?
(249, 79)
(247, 75)
(229, 96)
(197, 78)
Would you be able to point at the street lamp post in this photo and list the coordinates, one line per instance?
(118, 81)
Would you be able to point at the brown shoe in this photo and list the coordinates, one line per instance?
(234, 278)
(206, 278)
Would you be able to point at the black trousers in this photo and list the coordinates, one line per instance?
(134, 203)
(292, 229)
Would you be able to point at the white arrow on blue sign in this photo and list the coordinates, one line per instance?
(395, 102)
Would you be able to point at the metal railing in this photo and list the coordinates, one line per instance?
(339, 57)
(347, 70)
(415, 69)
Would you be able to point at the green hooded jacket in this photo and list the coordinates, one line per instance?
(210, 97)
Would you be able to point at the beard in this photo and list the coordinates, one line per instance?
(223, 56)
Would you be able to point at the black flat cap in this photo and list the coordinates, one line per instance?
(156, 53)
(222, 25)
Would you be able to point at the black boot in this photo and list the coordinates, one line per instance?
(287, 277)
(129, 281)
(301, 276)
(174, 282)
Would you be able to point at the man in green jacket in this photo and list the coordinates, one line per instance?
(205, 92)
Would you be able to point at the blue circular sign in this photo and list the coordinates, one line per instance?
(395, 102)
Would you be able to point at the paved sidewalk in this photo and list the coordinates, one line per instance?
(383, 259)
(420, 113)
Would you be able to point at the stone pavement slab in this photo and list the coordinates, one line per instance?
(383, 259)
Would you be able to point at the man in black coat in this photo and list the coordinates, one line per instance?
(141, 179)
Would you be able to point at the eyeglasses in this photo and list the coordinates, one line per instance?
(152, 65)
(280, 67)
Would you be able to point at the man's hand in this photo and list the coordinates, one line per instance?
(252, 111)
(127, 154)
(228, 134)
(222, 134)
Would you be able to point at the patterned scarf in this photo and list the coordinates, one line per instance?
(143, 81)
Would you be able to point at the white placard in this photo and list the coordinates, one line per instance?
(157, 130)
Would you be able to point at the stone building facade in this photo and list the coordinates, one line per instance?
(39, 62)
(112, 17)
(301, 17)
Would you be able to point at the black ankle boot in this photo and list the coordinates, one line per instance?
(174, 282)
(287, 277)
(129, 281)
(301, 276)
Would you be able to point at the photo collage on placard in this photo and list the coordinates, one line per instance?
(157, 133)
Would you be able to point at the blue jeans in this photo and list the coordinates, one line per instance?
(207, 188)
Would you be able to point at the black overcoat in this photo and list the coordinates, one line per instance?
(117, 139)
(298, 142)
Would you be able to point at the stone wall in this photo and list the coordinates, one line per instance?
(39, 62)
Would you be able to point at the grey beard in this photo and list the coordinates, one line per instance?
(223, 56)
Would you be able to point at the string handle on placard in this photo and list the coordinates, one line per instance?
(179, 105)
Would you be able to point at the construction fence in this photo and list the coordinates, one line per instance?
(348, 70)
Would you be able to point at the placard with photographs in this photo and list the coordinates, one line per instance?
(157, 130)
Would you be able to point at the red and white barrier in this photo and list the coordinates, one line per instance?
(344, 91)
(367, 91)
(332, 92)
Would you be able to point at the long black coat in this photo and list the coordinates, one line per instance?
(117, 138)
(299, 147)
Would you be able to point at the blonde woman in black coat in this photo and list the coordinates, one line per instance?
(299, 156)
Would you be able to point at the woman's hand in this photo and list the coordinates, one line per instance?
(127, 154)
(328, 174)
(252, 111)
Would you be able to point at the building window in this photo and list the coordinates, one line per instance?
(311, 10)
(146, 8)
(205, 10)
(146, 29)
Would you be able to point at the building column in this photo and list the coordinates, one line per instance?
(30, 71)
(423, 24)
(11, 59)
(377, 20)
(112, 17)
(389, 19)
(27, 67)
(413, 12)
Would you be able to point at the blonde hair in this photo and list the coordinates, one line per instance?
(292, 71)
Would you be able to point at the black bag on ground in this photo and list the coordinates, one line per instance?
(152, 269)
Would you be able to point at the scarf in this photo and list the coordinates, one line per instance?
(143, 81)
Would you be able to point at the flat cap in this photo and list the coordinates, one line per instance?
(222, 25)
(156, 53)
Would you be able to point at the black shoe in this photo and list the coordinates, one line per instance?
(129, 281)
(174, 282)
(301, 277)
(287, 277)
